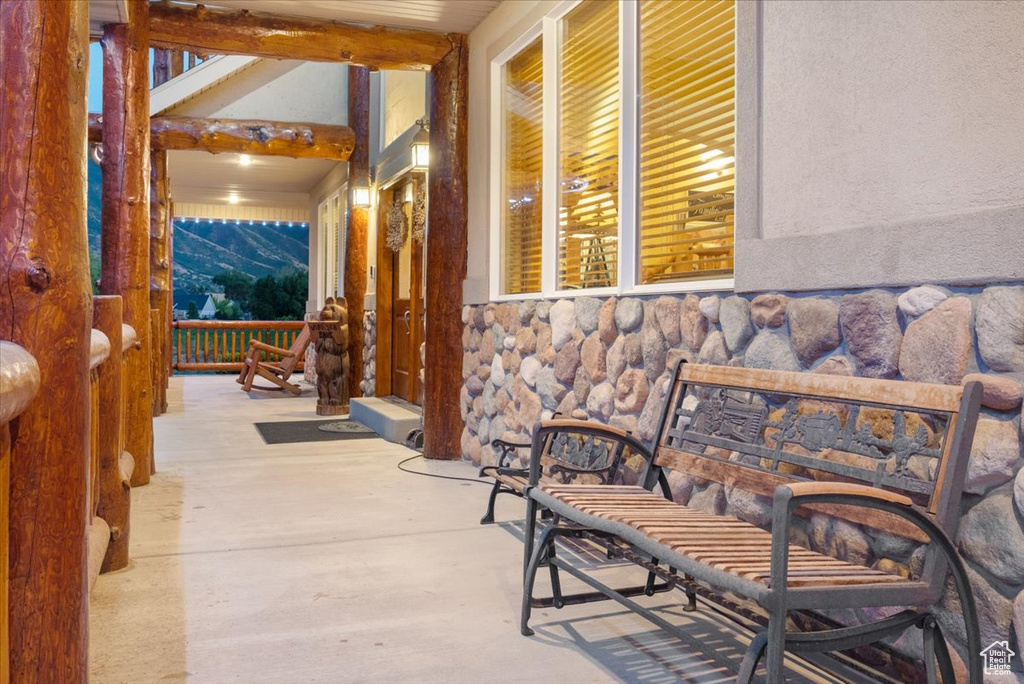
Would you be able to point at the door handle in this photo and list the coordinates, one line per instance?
(405, 318)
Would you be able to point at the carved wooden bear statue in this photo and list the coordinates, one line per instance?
(332, 365)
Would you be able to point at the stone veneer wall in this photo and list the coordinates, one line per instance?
(609, 360)
(368, 384)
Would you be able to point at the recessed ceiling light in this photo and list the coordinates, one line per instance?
(244, 159)
(233, 198)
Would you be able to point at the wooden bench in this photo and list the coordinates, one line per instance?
(884, 455)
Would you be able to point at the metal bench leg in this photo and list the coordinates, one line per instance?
(776, 644)
(937, 662)
(531, 530)
(531, 576)
(556, 584)
(489, 515)
(751, 658)
(691, 595)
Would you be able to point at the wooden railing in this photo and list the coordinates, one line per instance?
(221, 345)
(19, 383)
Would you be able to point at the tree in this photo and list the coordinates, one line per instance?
(193, 311)
(237, 286)
(281, 297)
(227, 310)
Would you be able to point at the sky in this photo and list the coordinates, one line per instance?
(96, 77)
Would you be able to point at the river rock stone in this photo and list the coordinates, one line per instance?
(999, 323)
(631, 391)
(710, 499)
(483, 371)
(606, 328)
(937, 346)
(526, 340)
(508, 342)
(489, 315)
(627, 423)
(999, 392)
(835, 365)
(475, 385)
(563, 322)
(483, 433)
(543, 309)
(529, 369)
(872, 332)
(510, 361)
(709, 308)
(813, 328)
(530, 407)
(616, 359)
(666, 315)
(567, 360)
(501, 400)
(479, 320)
(527, 309)
(672, 357)
(545, 350)
(995, 455)
(470, 362)
(919, 300)
(601, 401)
(769, 310)
(549, 388)
(995, 611)
(634, 349)
(487, 344)
(587, 313)
(647, 425)
(629, 314)
(991, 537)
(771, 351)
(507, 316)
(474, 340)
(692, 325)
(745, 505)
(568, 404)
(466, 311)
(654, 351)
(497, 370)
(594, 358)
(681, 486)
(581, 385)
(488, 403)
(714, 351)
(734, 315)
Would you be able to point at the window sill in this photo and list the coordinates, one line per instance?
(679, 288)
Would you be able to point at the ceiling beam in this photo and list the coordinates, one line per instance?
(272, 138)
(216, 31)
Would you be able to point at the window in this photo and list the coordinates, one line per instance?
(687, 139)
(625, 112)
(588, 224)
(523, 167)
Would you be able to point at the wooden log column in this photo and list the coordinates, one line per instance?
(46, 307)
(115, 491)
(446, 255)
(125, 230)
(160, 268)
(356, 253)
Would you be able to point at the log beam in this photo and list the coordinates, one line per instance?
(160, 274)
(358, 221)
(446, 255)
(213, 31)
(272, 138)
(45, 306)
(115, 493)
(125, 227)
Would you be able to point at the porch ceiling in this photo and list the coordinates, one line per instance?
(203, 178)
(459, 16)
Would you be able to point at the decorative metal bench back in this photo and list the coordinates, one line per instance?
(575, 456)
(757, 429)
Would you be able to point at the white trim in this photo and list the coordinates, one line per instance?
(682, 287)
(629, 180)
(496, 144)
(552, 70)
(195, 80)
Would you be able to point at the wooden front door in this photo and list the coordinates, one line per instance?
(399, 293)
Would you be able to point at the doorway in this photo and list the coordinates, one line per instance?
(401, 217)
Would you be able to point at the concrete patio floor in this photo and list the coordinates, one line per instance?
(322, 562)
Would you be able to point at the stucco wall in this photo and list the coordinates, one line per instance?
(285, 90)
(404, 101)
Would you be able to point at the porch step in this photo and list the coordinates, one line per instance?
(387, 419)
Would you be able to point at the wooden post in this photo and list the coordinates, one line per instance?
(45, 306)
(125, 229)
(177, 63)
(446, 254)
(358, 220)
(159, 266)
(161, 67)
(115, 493)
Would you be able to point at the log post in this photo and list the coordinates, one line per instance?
(115, 493)
(46, 307)
(177, 63)
(125, 230)
(161, 67)
(358, 220)
(446, 254)
(159, 266)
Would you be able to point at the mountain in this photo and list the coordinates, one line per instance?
(202, 249)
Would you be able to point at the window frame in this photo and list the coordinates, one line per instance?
(629, 169)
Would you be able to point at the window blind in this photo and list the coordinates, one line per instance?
(687, 139)
(521, 224)
(589, 146)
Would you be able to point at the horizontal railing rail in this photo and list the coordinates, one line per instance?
(220, 346)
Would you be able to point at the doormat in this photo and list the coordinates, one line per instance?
(291, 432)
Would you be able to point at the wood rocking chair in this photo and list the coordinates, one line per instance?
(276, 372)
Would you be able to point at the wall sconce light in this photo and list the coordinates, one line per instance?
(421, 147)
(361, 194)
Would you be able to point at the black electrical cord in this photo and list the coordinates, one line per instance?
(441, 477)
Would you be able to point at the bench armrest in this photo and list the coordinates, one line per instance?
(547, 429)
(263, 346)
(801, 490)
